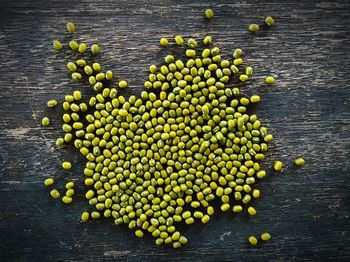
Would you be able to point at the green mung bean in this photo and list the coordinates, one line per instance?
(66, 165)
(299, 161)
(59, 142)
(192, 43)
(139, 233)
(45, 121)
(207, 40)
(55, 194)
(52, 103)
(70, 27)
(164, 42)
(252, 240)
(123, 84)
(253, 28)
(269, 21)
(265, 236)
(70, 192)
(237, 53)
(237, 208)
(209, 13)
(109, 75)
(76, 76)
(67, 199)
(88, 70)
(85, 216)
(190, 53)
(96, 67)
(70, 185)
(251, 211)
(270, 80)
(82, 48)
(73, 45)
(248, 70)
(179, 40)
(49, 181)
(57, 45)
(243, 78)
(278, 165)
(77, 95)
(95, 49)
(255, 99)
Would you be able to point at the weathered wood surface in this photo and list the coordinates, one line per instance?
(306, 210)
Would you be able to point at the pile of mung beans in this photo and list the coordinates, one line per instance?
(162, 159)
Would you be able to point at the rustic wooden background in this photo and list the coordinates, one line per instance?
(306, 210)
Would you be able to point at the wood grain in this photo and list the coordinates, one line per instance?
(306, 210)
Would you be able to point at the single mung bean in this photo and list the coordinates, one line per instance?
(100, 76)
(55, 194)
(81, 62)
(76, 76)
(109, 75)
(96, 67)
(243, 78)
(265, 236)
(269, 21)
(190, 53)
(70, 192)
(251, 211)
(95, 214)
(70, 185)
(183, 240)
(66, 165)
(85, 216)
(139, 233)
(256, 193)
(52, 103)
(70, 27)
(237, 53)
(77, 95)
(225, 207)
(278, 165)
(261, 174)
(207, 40)
(255, 99)
(153, 69)
(57, 45)
(59, 142)
(49, 181)
(179, 40)
(82, 48)
(252, 240)
(45, 121)
(299, 161)
(88, 70)
(237, 208)
(270, 80)
(209, 13)
(95, 49)
(268, 138)
(67, 199)
(123, 112)
(73, 45)
(248, 70)
(123, 84)
(253, 28)
(169, 59)
(237, 61)
(192, 43)
(163, 41)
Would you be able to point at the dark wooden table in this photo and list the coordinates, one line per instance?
(306, 210)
